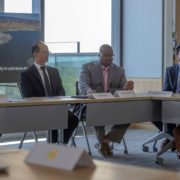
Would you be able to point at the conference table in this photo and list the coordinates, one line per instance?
(22, 115)
(170, 114)
(170, 108)
(32, 114)
(18, 170)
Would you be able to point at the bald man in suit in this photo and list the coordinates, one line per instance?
(104, 76)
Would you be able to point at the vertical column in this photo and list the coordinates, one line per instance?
(42, 15)
(167, 32)
(36, 6)
(1, 5)
(116, 30)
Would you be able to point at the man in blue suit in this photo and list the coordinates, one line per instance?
(40, 81)
(171, 83)
(172, 76)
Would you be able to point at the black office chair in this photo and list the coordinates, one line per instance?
(80, 111)
(25, 133)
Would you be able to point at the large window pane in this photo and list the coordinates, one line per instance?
(69, 66)
(84, 21)
(18, 6)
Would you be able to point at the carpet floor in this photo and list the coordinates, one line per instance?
(134, 139)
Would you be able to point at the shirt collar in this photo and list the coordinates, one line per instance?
(38, 66)
(103, 67)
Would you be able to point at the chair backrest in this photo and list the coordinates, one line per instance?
(77, 88)
(19, 87)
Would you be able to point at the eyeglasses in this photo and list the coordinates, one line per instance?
(45, 52)
(107, 55)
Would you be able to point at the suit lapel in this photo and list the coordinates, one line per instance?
(176, 69)
(110, 75)
(50, 74)
(99, 73)
(37, 75)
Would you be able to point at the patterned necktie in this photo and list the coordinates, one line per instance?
(105, 77)
(46, 82)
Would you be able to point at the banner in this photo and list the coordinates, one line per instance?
(18, 32)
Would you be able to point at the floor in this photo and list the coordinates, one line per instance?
(134, 138)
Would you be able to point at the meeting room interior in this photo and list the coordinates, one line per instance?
(90, 89)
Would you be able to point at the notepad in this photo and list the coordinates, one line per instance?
(107, 95)
(124, 93)
(160, 93)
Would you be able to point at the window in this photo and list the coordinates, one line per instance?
(70, 21)
(18, 6)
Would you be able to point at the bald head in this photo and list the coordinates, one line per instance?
(106, 55)
(105, 47)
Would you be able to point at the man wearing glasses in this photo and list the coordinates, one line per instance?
(104, 76)
(40, 80)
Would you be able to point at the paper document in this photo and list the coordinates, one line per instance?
(160, 93)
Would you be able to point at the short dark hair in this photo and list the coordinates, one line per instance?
(35, 47)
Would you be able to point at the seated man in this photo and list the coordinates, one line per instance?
(172, 83)
(40, 81)
(104, 76)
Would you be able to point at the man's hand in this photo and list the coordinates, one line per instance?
(129, 85)
(90, 91)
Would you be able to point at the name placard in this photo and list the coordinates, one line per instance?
(102, 95)
(124, 93)
(58, 156)
(160, 93)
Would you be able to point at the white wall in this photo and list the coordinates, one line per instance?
(142, 38)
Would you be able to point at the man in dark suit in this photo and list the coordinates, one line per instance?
(171, 83)
(40, 81)
(172, 80)
(104, 76)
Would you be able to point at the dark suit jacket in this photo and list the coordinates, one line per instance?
(32, 86)
(170, 80)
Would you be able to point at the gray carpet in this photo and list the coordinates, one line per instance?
(134, 139)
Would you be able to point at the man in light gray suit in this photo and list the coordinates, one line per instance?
(104, 76)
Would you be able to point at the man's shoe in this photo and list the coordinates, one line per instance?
(165, 142)
(105, 150)
(173, 147)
